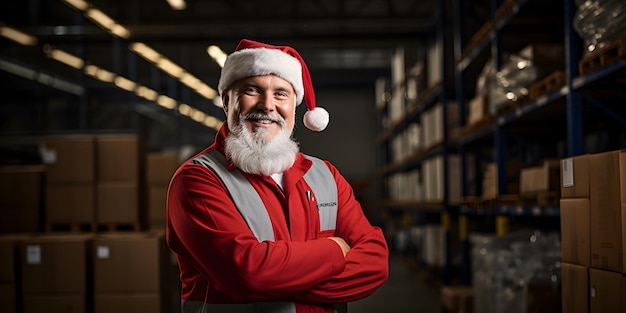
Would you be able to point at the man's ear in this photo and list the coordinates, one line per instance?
(225, 99)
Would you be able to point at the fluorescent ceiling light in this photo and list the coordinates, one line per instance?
(217, 55)
(99, 73)
(177, 4)
(191, 81)
(198, 116)
(145, 52)
(212, 122)
(120, 31)
(125, 83)
(147, 93)
(207, 91)
(184, 109)
(77, 4)
(17, 36)
(107, 23)
(166, 102)
(64, 57)
(170, 67)
(100, 18)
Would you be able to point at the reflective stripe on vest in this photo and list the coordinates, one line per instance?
(246, 199)
(248, 202)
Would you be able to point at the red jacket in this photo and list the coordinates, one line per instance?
(221, 260)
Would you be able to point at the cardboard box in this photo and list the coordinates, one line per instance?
(8, 298)
(128, 263)
(457, 299)
(575, 233)
(574, 288)
(70, 159)
(161, 167)
(120, 158)
(119, 202)
(57, 303)
(21, 198)
(54, 264)
(157, 215)
(70, 203)
(540, 178)
(607, 291)
(575, 177)
(10, 274)
(607, 174)
(478, 109)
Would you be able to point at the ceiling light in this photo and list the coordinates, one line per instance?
(124, 83)
(177, 4)
(145, 52)
(64, 57)
(184, 109)
(100, 18)
(210, 121)
(77, 4)
(120, 31)
(17, 36)
(170, 67)
(166, 102)
(191, 81)
(217, 55)
(207, 92)
(99, 73)
(198, 116)
(146, 93)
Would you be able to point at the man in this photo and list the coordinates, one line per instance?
(258, 226)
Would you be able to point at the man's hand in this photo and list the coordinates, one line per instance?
(345, 247)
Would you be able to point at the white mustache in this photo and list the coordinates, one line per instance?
(262, 116)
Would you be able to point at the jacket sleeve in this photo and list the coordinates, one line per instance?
(207, 231)
(367, 262)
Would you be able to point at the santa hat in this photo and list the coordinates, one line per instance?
(253, 58)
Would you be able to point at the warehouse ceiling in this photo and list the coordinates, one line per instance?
(345, 42)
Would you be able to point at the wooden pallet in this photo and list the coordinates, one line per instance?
(548, 84)
(490, 203)
(543, 198)
(70, 227)
(604, 56)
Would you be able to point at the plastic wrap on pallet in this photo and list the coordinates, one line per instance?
(505, 266)
(600, 22)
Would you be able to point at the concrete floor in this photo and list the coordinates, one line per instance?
(403, 292)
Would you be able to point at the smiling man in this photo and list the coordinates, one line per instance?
(256, 225)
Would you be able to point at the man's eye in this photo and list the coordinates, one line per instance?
(251, 90)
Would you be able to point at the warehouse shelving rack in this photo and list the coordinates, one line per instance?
(572, 99)
(422, 211)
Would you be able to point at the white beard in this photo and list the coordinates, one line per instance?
(255, 154)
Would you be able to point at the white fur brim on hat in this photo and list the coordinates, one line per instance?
(262, 61)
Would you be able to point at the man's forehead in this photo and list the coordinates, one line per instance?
(266, 81)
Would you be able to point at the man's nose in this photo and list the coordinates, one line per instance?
(266, 102)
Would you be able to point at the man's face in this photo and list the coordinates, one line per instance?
(266, 103)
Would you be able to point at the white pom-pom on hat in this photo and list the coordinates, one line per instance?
(316, 119)
(253, 58)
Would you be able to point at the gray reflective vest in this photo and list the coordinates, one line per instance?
(248, 202)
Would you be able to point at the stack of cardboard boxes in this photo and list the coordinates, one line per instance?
(78, 234)
(593, 232)
(161, 167)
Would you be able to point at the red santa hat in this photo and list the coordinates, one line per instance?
(253, 58)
